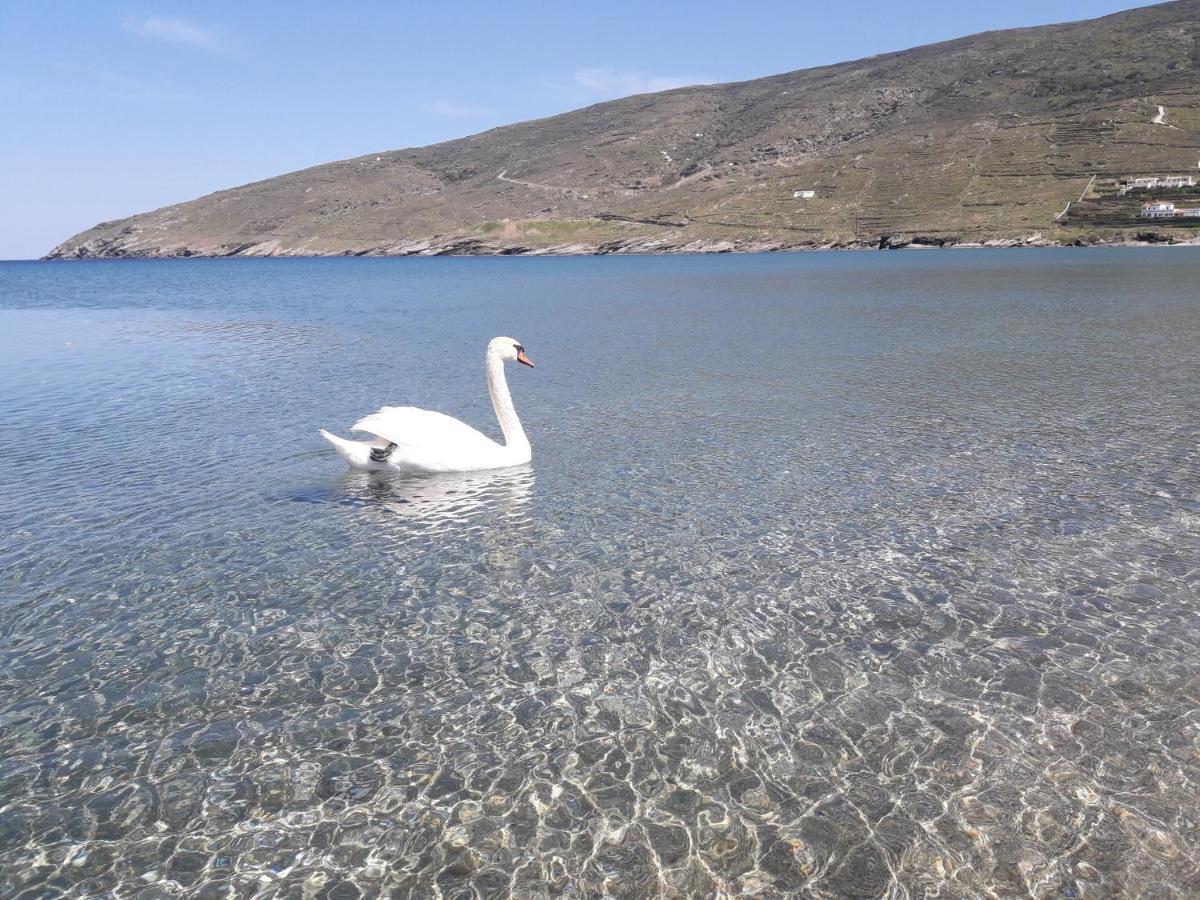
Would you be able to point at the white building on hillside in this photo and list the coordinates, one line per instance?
(1159, 209)
(1150, 182)
(803, 195)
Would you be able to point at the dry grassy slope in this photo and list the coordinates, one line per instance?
(984, 137)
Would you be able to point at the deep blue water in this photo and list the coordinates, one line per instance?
(833, 575)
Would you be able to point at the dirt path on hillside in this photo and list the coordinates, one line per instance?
(533, 184)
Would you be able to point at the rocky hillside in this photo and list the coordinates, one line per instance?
(981, 139)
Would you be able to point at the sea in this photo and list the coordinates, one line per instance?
(833, 575)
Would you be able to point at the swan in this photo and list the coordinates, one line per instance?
(409, 439)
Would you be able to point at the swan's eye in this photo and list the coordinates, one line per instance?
(520, 349)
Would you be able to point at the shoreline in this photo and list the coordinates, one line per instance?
(467, 247)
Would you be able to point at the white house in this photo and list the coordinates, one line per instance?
(1158, 210)
(1149, 182)
(803, 195)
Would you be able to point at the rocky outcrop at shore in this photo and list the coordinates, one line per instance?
(630, 246)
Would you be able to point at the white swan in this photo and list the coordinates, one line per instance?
(408, 439)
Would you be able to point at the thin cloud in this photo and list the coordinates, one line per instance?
(174, 31)
(621, 84)
(451, 110)
(96, 84)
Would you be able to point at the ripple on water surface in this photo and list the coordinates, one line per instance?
(833, 576)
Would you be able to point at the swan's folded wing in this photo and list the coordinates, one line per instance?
(410, 426)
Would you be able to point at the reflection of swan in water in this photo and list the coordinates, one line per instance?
(438, 501)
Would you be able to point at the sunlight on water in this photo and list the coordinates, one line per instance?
(833, 575)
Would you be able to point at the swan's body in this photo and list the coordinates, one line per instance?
(408, 439)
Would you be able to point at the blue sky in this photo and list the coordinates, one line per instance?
(110, 109)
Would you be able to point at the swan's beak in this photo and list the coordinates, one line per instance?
(524, 360)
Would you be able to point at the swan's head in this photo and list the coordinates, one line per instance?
(509, 350)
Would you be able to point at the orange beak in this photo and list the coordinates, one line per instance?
(524, 360)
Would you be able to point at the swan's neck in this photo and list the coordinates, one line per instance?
(514, 434)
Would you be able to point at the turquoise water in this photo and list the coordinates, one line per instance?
(833, 575)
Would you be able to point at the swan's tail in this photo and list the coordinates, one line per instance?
(355, 453)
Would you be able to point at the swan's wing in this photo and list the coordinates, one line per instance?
(409, 426)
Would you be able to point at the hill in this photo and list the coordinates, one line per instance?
(984, 139)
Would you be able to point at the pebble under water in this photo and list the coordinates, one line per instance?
(834, 575)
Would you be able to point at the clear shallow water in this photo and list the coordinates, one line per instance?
(833, 575)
